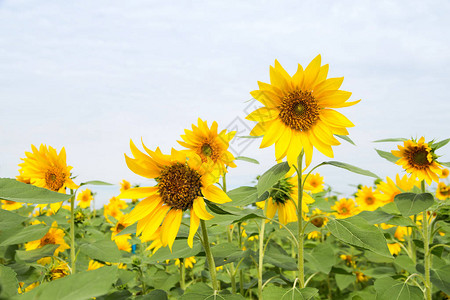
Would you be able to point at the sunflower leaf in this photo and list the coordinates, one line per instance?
(8, 282)
(95, 182)
(129, 229)
(447, 164)
(247, 159)
(391, 140)
(216, 209)
(387, 155)
(36, 254)
(271, 177)
(242, 196)
(440, 144)
(388, 288)
(13, 190)
(350, 168)
(249, 137)
(105, 250)
(411, 203)
(345, 138)
(30, 233)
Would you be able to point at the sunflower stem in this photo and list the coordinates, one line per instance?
(261, 252)
(209, 256)
(182, 274)
(426, 247)
(301, 271)
(72, 233)
(241, 272)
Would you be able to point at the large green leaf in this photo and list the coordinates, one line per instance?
(350, 168)
(356, 231)
(95, 182)
(180, 249)
(344, 280)
(271, 177)
(13, 190)
(411, 204)
(30, 233)
(8, 219)
(105, 250)
(387, 155)
(440, 277)
(278, 257)
(8, 282)
(242, 196)
(276, 292)
(79, 286)
(322, 258)
(35, 254)
(201, 291)
(390, 289)
(440, 144)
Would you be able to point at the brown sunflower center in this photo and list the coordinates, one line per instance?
(299, 110)
(207, 150)
(317, 221)
(179, 186)
(370, 200)
(344, 210)
(55, 178)
(419, 157)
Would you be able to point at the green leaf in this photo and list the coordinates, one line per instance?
(13, 190)
(345, 138)
(79, 286)
(447, 164)
(247, 159)
(95, 182)
(216, 209)
(350, 168)
(411, 204)
(344, 280)
(387, 155)
(322, 258)
(35, 254)
(389, 289)
(376, 216)
(242, 196)
(391, 140)
(129, 229)
(105, 250)
(271, 177)
(30, 233)
(440, 277)
(158, 295)
(278, 257)
(356, 231)
(180, 249)
(440, 144)
(8, 219)
(276, 292)
(8, 282)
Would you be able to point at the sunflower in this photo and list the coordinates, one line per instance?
(444, 173)
(182, 183)
(394, 248)
(418, 159)
(367, 199)
(10, 205)
(345, 208)
(85, 198)
(114, 209)
(314, 183)
(188, 262)
(58, 270)
(299, 113)
(54, 236)
(389, 189)
(282, 197)
(122, 242)
(442, 191)
(47, 169)
(124, 185)
(209, 144)
(94, 265)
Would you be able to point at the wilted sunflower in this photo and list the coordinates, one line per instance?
(282, 197)
(368, 199)
(47, 169)
(85, 198)
(390, 189)
(209, 144)
(418, 159)
(299, 113)
(182, 183)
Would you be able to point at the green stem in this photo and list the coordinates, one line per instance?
(300, 259)
(261, 252)
(232, 270)
(209, 256)
(426, 246)
(182, 274)
(241, 272)
(72, 233)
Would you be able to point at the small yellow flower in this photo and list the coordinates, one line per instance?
(314, 235)
(59, 270)
(122, 242)
(444, 173)
(54, 236)
(314, 183)
(349, 260)
(368, 199)
(394, 248)
(360, 277)
(443, 191)
(345, 208)
(124, 185)
(85, 198)
(188, 262)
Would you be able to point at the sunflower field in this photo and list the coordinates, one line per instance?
(186, 236)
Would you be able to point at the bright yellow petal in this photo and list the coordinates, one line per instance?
(200, 209)
(143, 208)
(195, 221)
(215, 194)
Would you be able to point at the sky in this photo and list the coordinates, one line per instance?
(91, 75)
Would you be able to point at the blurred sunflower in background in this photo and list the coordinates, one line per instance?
(389, 189)
(54, 236)
(84, 198)
(183, 180)
(443, 191)
(368, 199)
(418, 159)
(345, 208)
(10, 205)
(314, 183)
(298, 111)
(209, 144)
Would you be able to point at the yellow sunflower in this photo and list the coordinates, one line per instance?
(85, 198)
(47, 169)
(389, 189)
(314, 183)
(442, 191)
(209, 144)
(282, 197)
(10, 205)
(94, 265)
(418, 159)
(444, 173)
(182, 183)
(367, 199)
(345, 208)
(188, 262)
(299, 113)
(124, 185)
(54, 236)
(58, 270)
(394, 248)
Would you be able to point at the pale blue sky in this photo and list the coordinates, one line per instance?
(90, 75)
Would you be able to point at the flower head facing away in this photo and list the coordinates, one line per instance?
(298, 112)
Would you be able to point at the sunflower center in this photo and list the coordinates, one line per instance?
(281, 191)
(299, 110)
(419, 157)
(207, 150)
(179, 186)
(344, 210)
(55, 178)
(317, 221)
(48, 239)
(370, 200)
